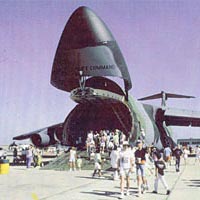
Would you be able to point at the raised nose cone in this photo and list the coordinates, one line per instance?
(84, 29)
(88, 46)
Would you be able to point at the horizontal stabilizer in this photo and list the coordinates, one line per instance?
(166, 95)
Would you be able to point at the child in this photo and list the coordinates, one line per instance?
(159, 173)
(72, 159)
(79, 162)
(97, 163)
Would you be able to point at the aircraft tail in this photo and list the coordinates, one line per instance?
(164, 96)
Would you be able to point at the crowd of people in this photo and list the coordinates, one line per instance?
(30, 155)
(126, 159)
(104, 140)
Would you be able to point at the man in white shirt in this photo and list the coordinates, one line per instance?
(126, 167)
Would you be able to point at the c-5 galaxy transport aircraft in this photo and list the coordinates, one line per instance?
(86, 63)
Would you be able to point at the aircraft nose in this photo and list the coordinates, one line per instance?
(87, 45)
(85, 28)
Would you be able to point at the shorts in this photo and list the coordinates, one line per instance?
(103, 144)
(140, 170)
(167, 158)
(72, 160)
(125, 172)
(97, 166)
(197, 156)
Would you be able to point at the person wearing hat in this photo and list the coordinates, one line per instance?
(140, 166)
(125, 166)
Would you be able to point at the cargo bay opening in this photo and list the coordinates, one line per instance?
(97, 114)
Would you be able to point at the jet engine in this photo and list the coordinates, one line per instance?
(40, 139)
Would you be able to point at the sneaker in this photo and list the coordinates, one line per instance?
(122, 195)
(168, 192)
(143, 189)
(147, 187)
(155, 192)
(139, 193)
(127, 193)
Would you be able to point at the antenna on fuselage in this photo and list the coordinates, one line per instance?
(164, 96)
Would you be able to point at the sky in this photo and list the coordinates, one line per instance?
(160, 42)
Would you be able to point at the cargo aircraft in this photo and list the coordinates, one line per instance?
(86, 63)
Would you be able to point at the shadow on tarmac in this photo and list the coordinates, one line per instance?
(94, 178)
(192, 182)
(104, 193)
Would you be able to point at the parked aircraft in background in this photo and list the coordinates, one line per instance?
(86, 60)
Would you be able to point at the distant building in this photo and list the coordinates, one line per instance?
(189, 142)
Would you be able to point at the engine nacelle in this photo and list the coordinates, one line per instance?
(58, 134)
(40, 139)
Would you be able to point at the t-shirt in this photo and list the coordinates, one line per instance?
(185, 153)
(125, 159)
(97, 158)
(197, 151)
(177, 153)
(72, 154)
(114, 156)
(160, 165)
(79, 162)
(29, 153)
(140, 154)
(167, 151)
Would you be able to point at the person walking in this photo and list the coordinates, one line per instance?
(177, 153)
(167, 155)
(72, 159)
(140, 160)
(79, 162)
(114, 159)
(125, 166)
(185, 154)
(159, 174)
(29, 156)
(97, 163)
(197, 154)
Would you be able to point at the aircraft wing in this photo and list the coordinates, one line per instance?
(45, 136)
(181, 117)
(28, 135)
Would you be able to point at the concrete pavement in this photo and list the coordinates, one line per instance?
(35, 184)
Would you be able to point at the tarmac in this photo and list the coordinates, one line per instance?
(34, 184)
